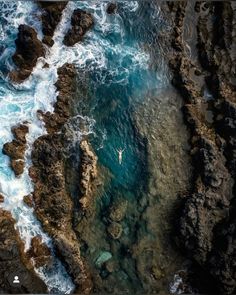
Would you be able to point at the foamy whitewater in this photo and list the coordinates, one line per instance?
(19, 103)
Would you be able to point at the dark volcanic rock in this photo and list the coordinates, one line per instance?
(16, 148)
(14, 261)
(206, 226)
(28, 50)
(111, 8)
(52, 12)
(62, 108)
(81, 22)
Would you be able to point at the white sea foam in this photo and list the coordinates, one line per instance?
(19, 103)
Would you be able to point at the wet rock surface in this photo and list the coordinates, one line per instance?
(51, 16)
(14, 261)
(206, 228)
(39, 252)
(81, 22)
(88, 174)
(54, 205)
(28, 200)
(111, 8)
(1, 198)
(16, 148)
(28, 49)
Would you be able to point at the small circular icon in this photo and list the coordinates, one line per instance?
(16, 280)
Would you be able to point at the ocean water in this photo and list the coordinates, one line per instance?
(117, 55)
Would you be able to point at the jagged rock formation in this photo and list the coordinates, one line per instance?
(28, 50)
(54, 206)
(39, 252)
(207, 222)
(88, 169)
(81, 22)
(28, 200)
(51, 16)
(13, 261)
(1, 198)
(62, 108)
(111, 8)
(16, 148)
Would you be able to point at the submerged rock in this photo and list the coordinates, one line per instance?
(14, 261)
(28, 49)
(81, 22)
(102, 258)
(118, 210)
(115, 230)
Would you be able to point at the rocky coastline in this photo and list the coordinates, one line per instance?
(205, 222)
(16, 148)
(50, 200)
(14, 261)
(51, 16)
(54, 206)
(205, 228)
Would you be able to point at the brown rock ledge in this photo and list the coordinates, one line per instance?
(14, 261)
(16, 148)
(39, 252)
(54, 206)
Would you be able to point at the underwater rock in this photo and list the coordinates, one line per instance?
(81, 22)
(39, 252)
(115, 230)
(28, 49)
(111, 8)
(51, 16)
(14, 261)
(16, 148)
(118, 210)
(102, 258)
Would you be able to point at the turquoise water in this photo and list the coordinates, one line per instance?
(117, 55)
(117, 90)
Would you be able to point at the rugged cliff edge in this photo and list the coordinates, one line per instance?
(206, 228)
(16, 148)
(28, 49)
(54, 205)
(13, 261)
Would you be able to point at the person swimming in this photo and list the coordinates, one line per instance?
(120, 155)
